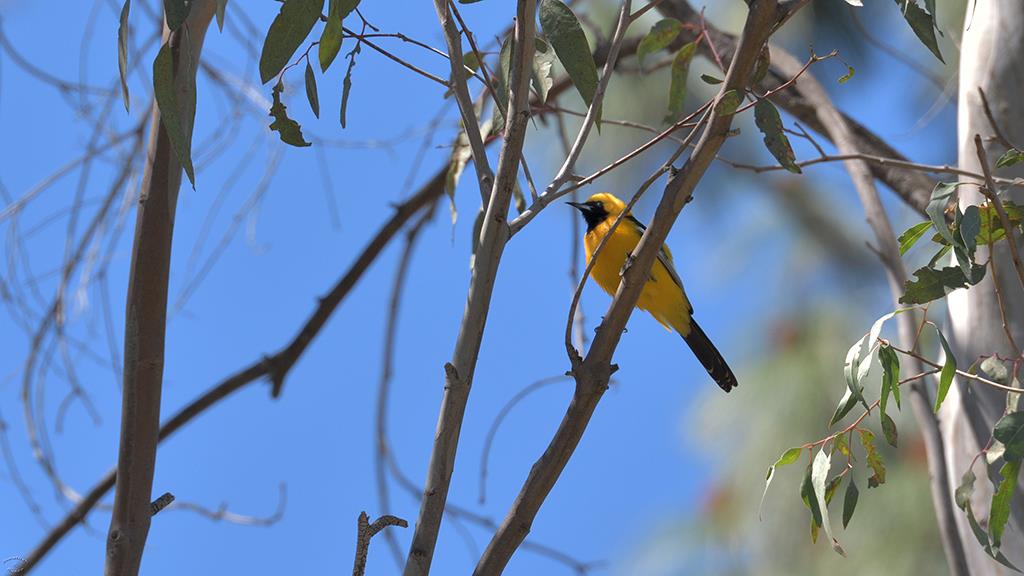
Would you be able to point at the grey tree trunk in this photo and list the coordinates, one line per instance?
(992, 59)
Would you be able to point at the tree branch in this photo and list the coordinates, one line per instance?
(913, 188)
(592, 373)
(275, 366)
(470, 124)
(491, 244)
(146, 309)
(367, 531)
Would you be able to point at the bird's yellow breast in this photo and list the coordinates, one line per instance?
(661, 295)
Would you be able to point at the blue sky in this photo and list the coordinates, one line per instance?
(636, 466)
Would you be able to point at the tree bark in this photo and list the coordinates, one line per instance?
(990, 60)
(146, 310)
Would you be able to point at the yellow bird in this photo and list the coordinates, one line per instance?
(663, 295)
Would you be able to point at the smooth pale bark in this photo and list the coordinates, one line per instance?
(146, 310)
(992, 58)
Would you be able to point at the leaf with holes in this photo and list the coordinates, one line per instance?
(288, 129)
(874, 459)
(768, 121)
(932, 284)
(889, 429)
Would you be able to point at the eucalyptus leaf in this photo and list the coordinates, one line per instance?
(1001, 500)
(122, 51)
(1010, 431)
(288, 129)
(311, 92)
(661, 35)
(178, 125)
(947, 373)
(287, 32)
(563, 31)
(819, 473)
(850, 501)
(923, 25)
(768, 121)
(912, 235)
(677, 87)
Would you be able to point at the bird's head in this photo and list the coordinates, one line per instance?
(599, 208)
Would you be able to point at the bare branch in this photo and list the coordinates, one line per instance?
(367, 531)
(275, 367)
(146, 310)
(491, 244)
(992, 193)
(593, 372)
(471, 126)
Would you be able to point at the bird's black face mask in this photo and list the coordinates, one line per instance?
(593, 212)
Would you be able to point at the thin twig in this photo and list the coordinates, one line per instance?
(992, 193)
(367, 531)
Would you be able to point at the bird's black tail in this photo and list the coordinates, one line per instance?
(710, 357)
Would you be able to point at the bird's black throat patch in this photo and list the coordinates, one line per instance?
(593, 212)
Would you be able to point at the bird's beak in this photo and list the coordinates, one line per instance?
(578, 206)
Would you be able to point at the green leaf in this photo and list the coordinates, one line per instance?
(992, 226)
(287, 32)
(819, 473)
(912, 235)
(709, 79)
(288, 129)
(563, 32)
(661, 35)
(947, 373)
(846, 404)
(889, 429)
(787, 457)
(936, 210)
(849, 74)
(874, 459)
(176, 11)
(331, 36)
(1001, 500)
(311, 93)
(461, 153)
(933, 284)
(810, 499)
(677, 88)
(178, 126)
(842, 445)
(996, 369)
(922, 24)
(968, 225)
(346, 85)
(728, 103)
(962, 496)
(850, 501)
(1009, 158)
(890, 375)
(832, 487)
(122, 50)
(543, 59)
(221, 7)
(768, 121)
(502, 73)
(1010, 431)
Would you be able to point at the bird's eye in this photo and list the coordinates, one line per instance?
(599, 205)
